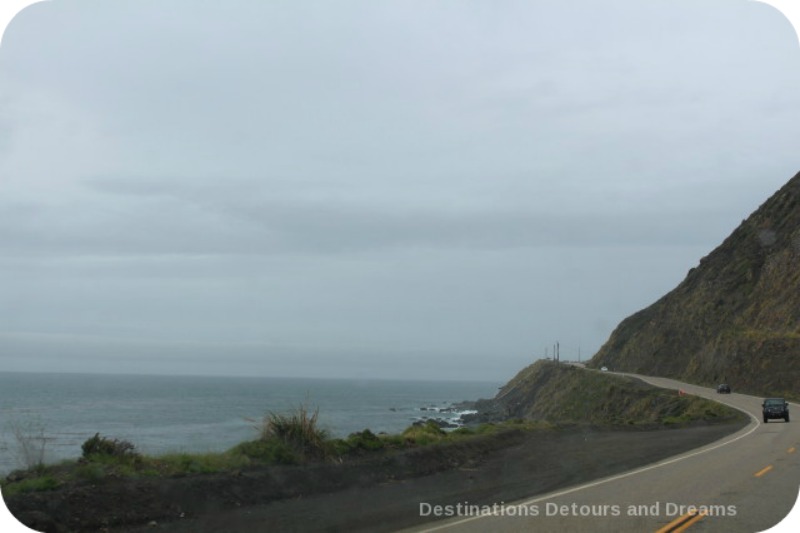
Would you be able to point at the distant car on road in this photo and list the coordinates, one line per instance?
(723, 388)
(603, 369)
(775, 408)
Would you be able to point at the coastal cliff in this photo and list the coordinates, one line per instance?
(735, 318)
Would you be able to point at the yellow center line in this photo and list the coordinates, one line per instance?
(675, 523)
(763, 471)
(686, 526)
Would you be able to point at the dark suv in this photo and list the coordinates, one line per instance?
(775, 408)
(724, 388)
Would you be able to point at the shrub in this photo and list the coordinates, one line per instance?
(426, 433)
(31, 443)
(365, 440)
(90, 472)
(393, 441)
(299, 431)
(198, 463)
(98, 446)
(31, 485)
(270, 451)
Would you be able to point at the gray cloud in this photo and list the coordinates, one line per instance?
(349, 183)
(152, 218)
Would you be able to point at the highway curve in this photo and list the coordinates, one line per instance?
(747, 482)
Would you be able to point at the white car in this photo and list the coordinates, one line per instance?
(603, 369)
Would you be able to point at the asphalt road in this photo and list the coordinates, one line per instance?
(747, 482)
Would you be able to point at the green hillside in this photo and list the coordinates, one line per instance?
(566, 394)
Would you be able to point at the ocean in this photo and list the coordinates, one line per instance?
(166, 414)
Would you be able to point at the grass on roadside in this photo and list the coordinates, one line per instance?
(293, 439)
(282, 440)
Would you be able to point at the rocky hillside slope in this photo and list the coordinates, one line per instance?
(564, 394)
(735, 318)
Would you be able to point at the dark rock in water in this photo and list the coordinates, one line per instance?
(394, 409)
(487, 411)
(441, 422)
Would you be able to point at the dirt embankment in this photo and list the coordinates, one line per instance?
(378, 493)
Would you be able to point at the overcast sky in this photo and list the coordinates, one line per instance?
(396, 189)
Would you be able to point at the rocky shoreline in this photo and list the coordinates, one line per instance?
(453, 416)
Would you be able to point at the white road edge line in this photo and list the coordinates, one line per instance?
(613, 478)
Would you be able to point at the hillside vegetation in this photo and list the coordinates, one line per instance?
(564, 394)
(735, 318)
